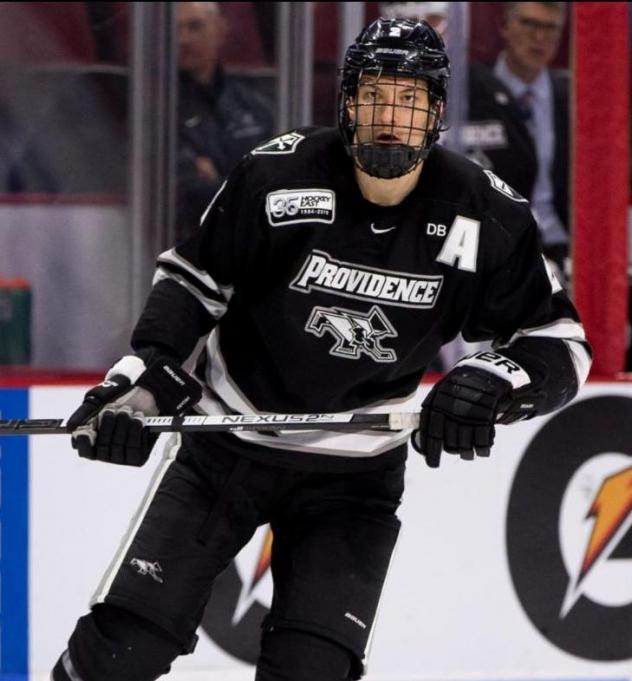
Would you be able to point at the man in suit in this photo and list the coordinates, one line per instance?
(518, 117)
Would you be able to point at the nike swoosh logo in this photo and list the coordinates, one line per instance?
(375, 230)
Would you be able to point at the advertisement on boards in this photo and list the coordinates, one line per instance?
(512, 567)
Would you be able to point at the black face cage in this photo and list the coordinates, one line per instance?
(390, 139)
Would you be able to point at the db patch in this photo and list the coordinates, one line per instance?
(291, 206)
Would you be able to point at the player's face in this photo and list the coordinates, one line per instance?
(391, 110)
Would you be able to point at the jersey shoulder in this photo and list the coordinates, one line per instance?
(295, 142)
(303, 159)
(477, 190)
(297, 155)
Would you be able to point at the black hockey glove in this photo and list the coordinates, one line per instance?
(108, 426)
(460, 412)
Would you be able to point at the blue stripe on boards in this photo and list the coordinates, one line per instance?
(14, 541)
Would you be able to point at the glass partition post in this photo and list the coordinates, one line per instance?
(351, 23)
(457, 40)
(295, 49)
(152, 159)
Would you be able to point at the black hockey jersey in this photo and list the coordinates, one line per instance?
(319, 301)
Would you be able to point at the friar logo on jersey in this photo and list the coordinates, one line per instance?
(356, 334)
(502, 187)
(283, 144)
(293, 206)
(145, 567)
(570, 555)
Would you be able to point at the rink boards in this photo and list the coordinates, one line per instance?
(516, 567)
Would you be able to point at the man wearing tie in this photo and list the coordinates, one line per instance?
(518, 114)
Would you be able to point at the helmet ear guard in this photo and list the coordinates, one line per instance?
(404, 52)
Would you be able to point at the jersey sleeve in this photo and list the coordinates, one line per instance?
(195, 281)
(524, 310)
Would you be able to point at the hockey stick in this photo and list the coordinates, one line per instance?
(183, 424)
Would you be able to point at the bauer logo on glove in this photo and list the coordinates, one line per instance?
(109, 425)
(498, 364)
(460, 413)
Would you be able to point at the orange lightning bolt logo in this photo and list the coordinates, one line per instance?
(248, 593)
(611, 507)
(263, 563)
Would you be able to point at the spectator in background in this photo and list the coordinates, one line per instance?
(219, 119)
(521, 107)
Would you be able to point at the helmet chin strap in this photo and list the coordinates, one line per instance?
(388, 161)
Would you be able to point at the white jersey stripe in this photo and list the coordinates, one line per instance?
(352, 445)
(564, 329)
(213, 307)
(567, 330)
(581, 360)
(115, 565)
(69, 667)
(172, 257)
(210, 205)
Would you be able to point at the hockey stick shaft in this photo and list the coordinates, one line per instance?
(236, 422)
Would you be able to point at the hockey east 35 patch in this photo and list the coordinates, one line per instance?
(292, 206)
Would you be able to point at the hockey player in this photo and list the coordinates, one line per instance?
(329, 269)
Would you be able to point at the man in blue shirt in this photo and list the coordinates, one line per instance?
(526, 105)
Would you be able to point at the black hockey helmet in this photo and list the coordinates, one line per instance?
(401, 49)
